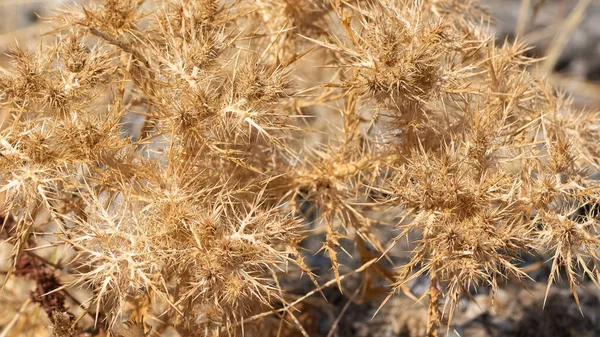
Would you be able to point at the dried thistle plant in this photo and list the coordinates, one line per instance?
(165, 145)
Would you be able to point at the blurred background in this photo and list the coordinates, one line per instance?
(565, 32)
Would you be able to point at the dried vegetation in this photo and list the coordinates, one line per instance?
(178, 151)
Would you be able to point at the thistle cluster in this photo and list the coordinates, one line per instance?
(172, 146)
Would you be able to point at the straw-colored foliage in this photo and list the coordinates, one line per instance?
(172, 147)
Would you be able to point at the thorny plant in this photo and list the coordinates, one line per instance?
(168, 145)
